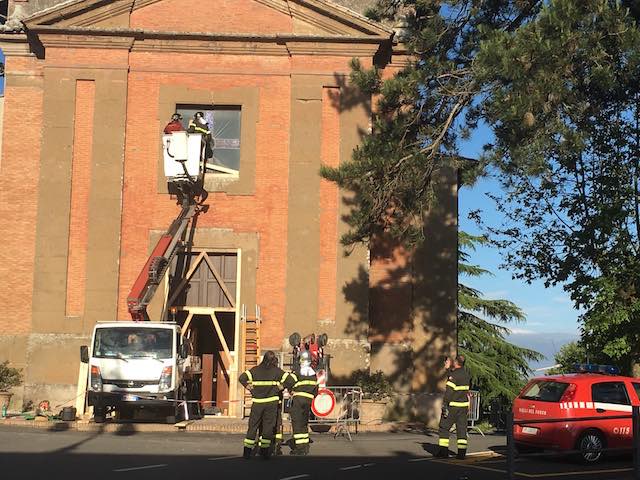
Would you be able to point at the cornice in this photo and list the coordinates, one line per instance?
(65, 40)
(237, 47)
(15, 45)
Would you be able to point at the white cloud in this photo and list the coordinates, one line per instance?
(521, 331)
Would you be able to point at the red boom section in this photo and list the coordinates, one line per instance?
(143, 281)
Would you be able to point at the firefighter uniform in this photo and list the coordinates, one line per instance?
(199, 125)
(265, 383)
(455, 410)
(304, 390)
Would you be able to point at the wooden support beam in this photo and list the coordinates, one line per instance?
(224, 288)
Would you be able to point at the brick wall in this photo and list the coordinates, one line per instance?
(80, 187)
(19, 173)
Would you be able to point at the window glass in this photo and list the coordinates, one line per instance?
(636, 387)
(224, 124)
(545, 391)
(132, 342)
(610, 392)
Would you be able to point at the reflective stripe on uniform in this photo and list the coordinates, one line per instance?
(303, 394)
(264, 383)
(462, 441)
(451, 384)
(284, 377)
(461, 387)
(249, 376)
(300, 435)
(249, 443)
(300, 441)
(443, 442)
(266, 400)
(312, 383)
(458, 404)
(265, 442)
(278, 436)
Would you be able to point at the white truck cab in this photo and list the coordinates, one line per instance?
(135, 364)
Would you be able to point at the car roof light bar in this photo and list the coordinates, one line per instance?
(595, 368)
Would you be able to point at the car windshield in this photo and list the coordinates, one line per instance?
(133, 342)
(545, 391)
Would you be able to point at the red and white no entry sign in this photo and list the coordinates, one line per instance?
(323, 403)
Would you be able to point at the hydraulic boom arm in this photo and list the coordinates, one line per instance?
(150, 276)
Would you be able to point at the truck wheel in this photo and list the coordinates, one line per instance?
(99, 414)
(591, 445)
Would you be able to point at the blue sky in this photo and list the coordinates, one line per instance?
(551, 319)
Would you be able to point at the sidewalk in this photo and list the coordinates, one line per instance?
(209, 424)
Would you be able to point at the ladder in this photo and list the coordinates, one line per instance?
(251, 335)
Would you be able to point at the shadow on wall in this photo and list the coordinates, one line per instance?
(409, 318)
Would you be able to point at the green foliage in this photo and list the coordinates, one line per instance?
(572, 353)
(565, 108)
(498, 368)
(374, 386)
(9, 376)
(557, 83)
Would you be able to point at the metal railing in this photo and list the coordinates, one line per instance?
(345, 414)
(635, 432)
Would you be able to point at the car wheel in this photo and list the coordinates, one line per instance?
(591, 445)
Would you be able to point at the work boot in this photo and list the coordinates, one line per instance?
(246, 454)
(297, 450)
(278, 450)
(461, 454)
(265, 453)
(305, 449)
(443, 452)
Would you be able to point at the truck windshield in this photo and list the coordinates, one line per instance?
(133, 342)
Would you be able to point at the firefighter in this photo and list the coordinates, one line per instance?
(455, 408)
(175, 125)
(265, 382)
(198, 124)
(304, 390)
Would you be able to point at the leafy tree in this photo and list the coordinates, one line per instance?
(566, 117)
(568, 355)
(497, 367)
(556, 83)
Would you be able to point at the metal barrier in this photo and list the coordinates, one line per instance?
(635, 432)
(474, 410)
(346, 413)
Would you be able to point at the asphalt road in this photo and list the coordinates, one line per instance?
(41, 454)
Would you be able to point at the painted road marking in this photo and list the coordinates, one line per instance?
(352, 467)
(420, 459)
(146, 467)
(537, 475)
(304, 475)
(368, 465)
(222, 458)
(570, 474)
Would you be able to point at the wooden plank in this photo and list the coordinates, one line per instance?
(223, 286)
(228, 360)
(207, 379)
(185, 327)
(204, 310)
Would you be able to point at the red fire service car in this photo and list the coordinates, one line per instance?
(595, 391)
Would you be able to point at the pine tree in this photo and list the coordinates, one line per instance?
(556, 82)
(498, 368)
